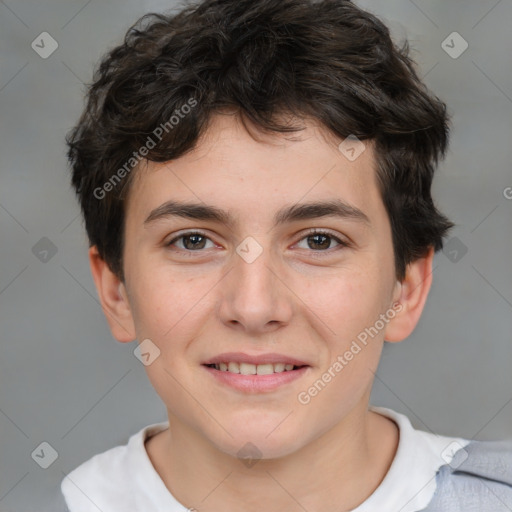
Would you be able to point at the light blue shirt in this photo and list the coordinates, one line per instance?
(479, 478)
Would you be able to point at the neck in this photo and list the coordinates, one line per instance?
(338, 470)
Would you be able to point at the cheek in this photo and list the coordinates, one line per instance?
(348, 305)
(165, 311)
(348, 301)
(166, 298)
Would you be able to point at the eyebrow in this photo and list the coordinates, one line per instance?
(296, 212)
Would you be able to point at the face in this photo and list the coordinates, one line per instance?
(253, 283)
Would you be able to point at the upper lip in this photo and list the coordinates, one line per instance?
(241, 357)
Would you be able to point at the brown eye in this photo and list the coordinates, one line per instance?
(190, 241)
(321, 241)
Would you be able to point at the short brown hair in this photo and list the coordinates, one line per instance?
(328, 60)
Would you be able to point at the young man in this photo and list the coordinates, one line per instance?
(255, 180)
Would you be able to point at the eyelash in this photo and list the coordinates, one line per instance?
(312, 232)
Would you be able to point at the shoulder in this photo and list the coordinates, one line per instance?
(479, 477)
(410, 482)
(434, 473)
(110, 477)
(101, 475)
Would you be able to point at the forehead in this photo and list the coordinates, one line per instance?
(254, 173)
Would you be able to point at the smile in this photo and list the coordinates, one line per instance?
(254, 369)
(254, 374)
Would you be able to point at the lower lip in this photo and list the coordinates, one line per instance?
(256, 383)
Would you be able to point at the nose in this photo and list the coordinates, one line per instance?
(254, 297)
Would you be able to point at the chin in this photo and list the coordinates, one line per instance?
(259, 439)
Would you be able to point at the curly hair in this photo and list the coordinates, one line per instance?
(327, 60)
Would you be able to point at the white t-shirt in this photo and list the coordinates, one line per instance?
(123, 478)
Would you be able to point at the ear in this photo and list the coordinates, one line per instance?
(113, 298)
(410, 296)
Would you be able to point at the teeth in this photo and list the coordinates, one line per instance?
(264, 369)
(247, 369)
(233, 367)
(279, 367)
(253, 369)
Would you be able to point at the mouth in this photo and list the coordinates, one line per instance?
(255, 374)
(254, 369)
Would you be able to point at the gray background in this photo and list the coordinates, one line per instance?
(64, 380)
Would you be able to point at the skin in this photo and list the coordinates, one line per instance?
(302, 297)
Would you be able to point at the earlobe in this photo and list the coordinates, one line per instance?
(113, 298)
(411, 293)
